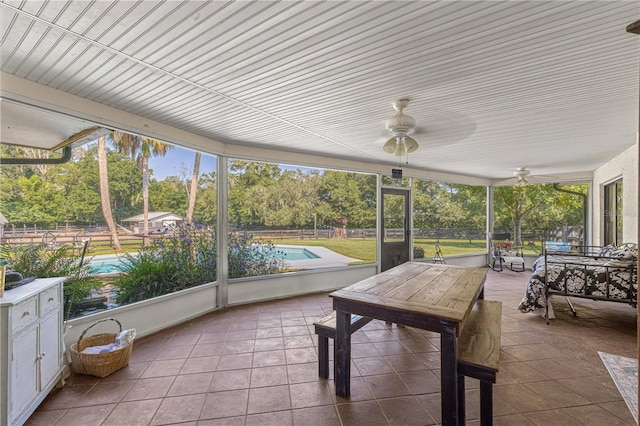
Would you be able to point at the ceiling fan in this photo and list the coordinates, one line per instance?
(522, 173)
(523, 176)
(400, 125)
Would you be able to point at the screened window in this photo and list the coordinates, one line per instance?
(287, 218)
(450, 215)
(123, 203)
(613, 213)
(535, 213)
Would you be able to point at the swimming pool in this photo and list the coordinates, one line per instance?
(106, 264)
(113, 264)
(296, 253)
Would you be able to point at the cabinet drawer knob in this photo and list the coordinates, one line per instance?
(42, 355)
(26, 313)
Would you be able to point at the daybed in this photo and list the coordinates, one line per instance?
(607, 273)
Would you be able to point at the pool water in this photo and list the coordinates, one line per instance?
(112, 264)
(106, 264)
(295, 253)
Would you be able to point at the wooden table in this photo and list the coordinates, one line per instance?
(428, 296)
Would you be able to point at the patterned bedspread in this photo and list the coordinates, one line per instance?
(586, 276)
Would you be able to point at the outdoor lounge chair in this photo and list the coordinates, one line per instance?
(504, 253)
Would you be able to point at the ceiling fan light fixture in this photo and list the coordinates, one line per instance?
(400, 125)
(400, 145)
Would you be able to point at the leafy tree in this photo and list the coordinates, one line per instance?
(32, 200)
(473, 201)
(10, 151)
(125, 185)
(248, 183)
(538, 205)
(81, 200)
(347, 196)
(394, 212)
(447, 205)
(141, 148)
(207, 201)
(432, 205)
(168, 195)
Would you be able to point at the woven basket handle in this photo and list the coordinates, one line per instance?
(96, 323)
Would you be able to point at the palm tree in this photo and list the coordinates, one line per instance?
(140, 149)
(104, 192)
(194, 187)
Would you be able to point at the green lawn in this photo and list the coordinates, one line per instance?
(357, 248)
(366, 249)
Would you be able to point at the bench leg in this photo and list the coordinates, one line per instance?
(461, 399)
(323, 357)
(486, 403)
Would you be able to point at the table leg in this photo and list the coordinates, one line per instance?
(449, 377)
(461, 399)
(343, 354)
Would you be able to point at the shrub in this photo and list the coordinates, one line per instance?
(184, 256)
(180, 257)
(40, 260)
(418, 252)
(249, 259)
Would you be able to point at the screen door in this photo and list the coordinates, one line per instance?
(395, 235)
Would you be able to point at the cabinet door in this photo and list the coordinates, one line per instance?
(50, 352)
(23, 370)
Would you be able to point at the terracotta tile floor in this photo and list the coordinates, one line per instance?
(257, 365)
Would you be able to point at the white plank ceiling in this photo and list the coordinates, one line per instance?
(493, 85)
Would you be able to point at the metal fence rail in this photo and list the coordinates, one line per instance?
(67, 234)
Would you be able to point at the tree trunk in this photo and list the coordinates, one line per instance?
(145, 199)
(517, 238)
(194, 187)
(104, 192)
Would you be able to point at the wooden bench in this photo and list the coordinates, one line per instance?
(326, 329)
(479, 355)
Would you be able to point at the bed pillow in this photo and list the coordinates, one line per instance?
(606, 251)
(627, 251)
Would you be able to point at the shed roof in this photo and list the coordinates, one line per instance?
(154, 216)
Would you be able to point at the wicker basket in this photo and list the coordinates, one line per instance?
(100, 365)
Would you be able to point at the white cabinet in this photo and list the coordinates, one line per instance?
(31, 360)
(24, 386)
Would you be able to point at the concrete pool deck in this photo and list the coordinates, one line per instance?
(326, 258)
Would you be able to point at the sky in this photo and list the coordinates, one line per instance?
(179, 162)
